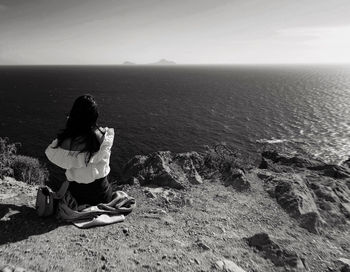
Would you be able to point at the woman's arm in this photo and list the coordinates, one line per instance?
(100, 133)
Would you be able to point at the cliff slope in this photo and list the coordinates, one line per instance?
(290, 214)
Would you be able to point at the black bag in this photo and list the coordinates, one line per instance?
(46, 198)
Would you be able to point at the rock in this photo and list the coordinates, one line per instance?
(190, 163)
(273, 157)
(295, 198)
(188, 201)
(228, 266)
(346, 163)
(12, 269)
(345, 268)
(345, 208)
(7, 269)
(237, 179)
(149, 194)
(345, 264)
(132, 168)
(202, 245)
(273, 252)
(310, 221)
(134, 181)
(161, 193)
(126, 231)
(289, 160)
(264, 174)
(164, 168)
(333, 171)
(332, 197)
(168, 220)
(263, 164)
(158, 211)
(324, 192)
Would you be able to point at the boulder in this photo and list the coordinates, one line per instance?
(288, 160)
(272, 251)
(313, 196)
(294, 197)
(190, 163)
(310, 221)
(265, 174)
(227, 266)
(271, 160)
(333, 171)
(237, 179)
(346, 163)
(344, 264)
(165, 169)
(132, 168)
(263, 164)
(345, 209)
(332, 197)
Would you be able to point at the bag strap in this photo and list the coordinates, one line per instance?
(62, 191)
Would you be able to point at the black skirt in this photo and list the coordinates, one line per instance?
(98, 191)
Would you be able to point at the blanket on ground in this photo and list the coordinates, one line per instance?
(85, 216)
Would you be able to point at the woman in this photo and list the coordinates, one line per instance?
(84, 150)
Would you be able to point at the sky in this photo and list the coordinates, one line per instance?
(185, 31)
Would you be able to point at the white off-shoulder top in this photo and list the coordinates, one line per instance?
(75, 164)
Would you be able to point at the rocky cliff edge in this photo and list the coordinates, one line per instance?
(291, 213)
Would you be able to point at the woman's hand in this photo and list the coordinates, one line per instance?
(100, 134)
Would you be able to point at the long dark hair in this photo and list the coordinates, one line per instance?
(81, 125)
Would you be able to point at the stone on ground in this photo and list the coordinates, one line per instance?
(272, 251)
(237, 179)
(227, 266)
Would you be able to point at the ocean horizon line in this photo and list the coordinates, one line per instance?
(179, 64)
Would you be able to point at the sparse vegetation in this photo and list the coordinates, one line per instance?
(7, 154)
(23, 168)
(29, 170)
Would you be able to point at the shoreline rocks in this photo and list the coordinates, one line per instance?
(313, 192)
(294, 197)
(164, 168)
(316, 196)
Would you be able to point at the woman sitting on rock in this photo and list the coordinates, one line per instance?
(84, 150)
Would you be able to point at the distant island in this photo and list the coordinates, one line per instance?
(164, 62)
(128, 63)
(160, 62)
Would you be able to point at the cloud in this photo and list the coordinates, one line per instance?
(3, 7)
(330, 44)
(331, 36)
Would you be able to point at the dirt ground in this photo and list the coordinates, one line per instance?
(169, 230)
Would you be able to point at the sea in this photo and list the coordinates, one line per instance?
(184, 108)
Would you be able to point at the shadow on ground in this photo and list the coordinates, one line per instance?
(20, 222)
